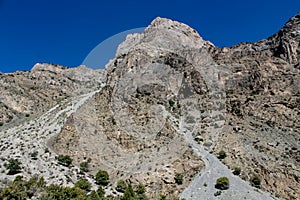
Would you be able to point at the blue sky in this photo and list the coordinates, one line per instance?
(64, 31)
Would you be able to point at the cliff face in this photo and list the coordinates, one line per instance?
(167, 90)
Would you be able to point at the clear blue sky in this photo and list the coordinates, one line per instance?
(65, 31)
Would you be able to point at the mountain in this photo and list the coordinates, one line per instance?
(169, 106)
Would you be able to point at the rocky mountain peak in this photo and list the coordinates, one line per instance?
(164, 35)
(286, 42)
(293, 23)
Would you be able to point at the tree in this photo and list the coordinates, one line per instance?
(64, 160)
(83, 184)
(14, 166)
(222, 183)
(102, 178)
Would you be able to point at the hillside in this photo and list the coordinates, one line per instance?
(169, 104)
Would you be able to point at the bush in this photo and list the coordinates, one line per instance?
(140, 189)
(83, 184)
(1, 123)
(222, 183)
(94, 196)
(34, 155)
(178, 178)
(102, 178)
(84, 166)
(217, 193)
(222, 154)
(121, 186)
(14, 166)
(237, 171)
(101, 192)
(129, 193)
(64, 160)
(255, 181)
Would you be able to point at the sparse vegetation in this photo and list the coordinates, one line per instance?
(121, 186)
(178, 178)
(102, 178)
(222, 183)
(14, 166)
(218, 193)
(84, 166)
(64, 160)
(237, 171)
(255, 181)
(34, 155)
(83, 184)
(113, 121)
(171, 103)
(35, 188)
(222, 154)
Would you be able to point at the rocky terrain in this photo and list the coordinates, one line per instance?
(24, 94)
(166, 105)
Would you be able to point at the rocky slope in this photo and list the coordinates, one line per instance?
(24, 94)
(171, 102)
(263, 102)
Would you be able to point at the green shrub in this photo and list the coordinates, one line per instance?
(237, 171)
(129, 193)
(34, 155)
(84, 166)
(217, 193)
(102, 178)
(56, 192)
(83, 184)
(64, 160)
(101, 192)
(94, 196)
(14, 166)
(178, 178)
(222, 154)
(171, 103)
(222, 183)
(140, 189)
(255, 181)
(162, 197)
(121, 186)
